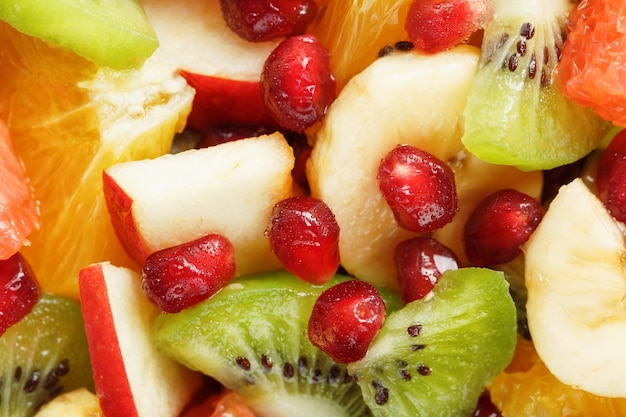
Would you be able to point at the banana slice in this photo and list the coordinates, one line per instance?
(403, 98)
(576, 279)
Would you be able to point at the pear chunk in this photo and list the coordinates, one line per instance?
(576, 281)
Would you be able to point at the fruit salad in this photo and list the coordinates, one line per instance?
(267, 208)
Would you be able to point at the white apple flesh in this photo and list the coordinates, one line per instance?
(132, 378)
(228, 189)
(223, 68)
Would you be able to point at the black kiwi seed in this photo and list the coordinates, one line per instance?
(34, 357)
(414, 330)
(404, 45)
(267, 362)
(243, 363)
(384, 51)
(288, 371)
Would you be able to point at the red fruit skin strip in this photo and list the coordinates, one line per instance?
(116, 400)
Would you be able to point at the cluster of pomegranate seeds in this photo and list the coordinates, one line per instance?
(611, 177)
(304, 235)
(264, 20)
(345, 319)
(419, 188)
(184, 275)
(437, 25)
(499, 225)
(420, 261)
(297, 84)
(19, 292)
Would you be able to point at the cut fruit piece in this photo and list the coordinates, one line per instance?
(591, 71)
(63, 112)
(223, 68)
(111, 33)
(78, 403)
(354, 31)
(252, 338)
(515, 113)
(528, 389)
(403, 98)
(18, 209)
(160, 203)
(43, 356)
(132, 378)
(435, 356)
(576, 285)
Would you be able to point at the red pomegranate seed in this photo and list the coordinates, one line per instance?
(611, 177)
(499, 225)
(264, 20)
(436, 25)
(485, 407)
(19, 292)
(304, 235)
(345, 319)
(181, 276)
(297, 84)
(420, 261)
(419, 188)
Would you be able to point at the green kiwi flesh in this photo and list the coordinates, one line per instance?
(515, 114)
(42, 356)
(111, 33)
(251, 337)
(435, 356)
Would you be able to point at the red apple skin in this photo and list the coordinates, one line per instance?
(225, 101)
(117, 321)
(103, 344)
(120, 208)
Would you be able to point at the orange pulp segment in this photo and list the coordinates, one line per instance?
(528, 389)
(69, 120)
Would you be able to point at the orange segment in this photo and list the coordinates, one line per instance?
(18, 209)
(70, 120)
(528, 389)
(355, 30)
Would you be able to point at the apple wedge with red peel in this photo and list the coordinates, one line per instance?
(222, 67)
(132, 378)
(228, 189)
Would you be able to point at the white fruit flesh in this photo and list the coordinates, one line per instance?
(78, 403)
(228, 189)
(575, 274)
(195, 38)
(402, 98)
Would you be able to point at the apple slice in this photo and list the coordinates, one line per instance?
(132, 378)
(223, 68)
(111, 33)
(403, 98)
(576, 290)
(228, 189)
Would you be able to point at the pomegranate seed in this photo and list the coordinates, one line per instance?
(499, 225)
(297, 85)
(419, 188)
(420, 261)
(264, 20)
(345, 319)
(304, 235)
(181, 276)
(611, 177)
(436, 25)
(20, 290)
(485, 407)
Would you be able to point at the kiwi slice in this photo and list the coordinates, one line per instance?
(43, 355)
(251, 337)
(110, 33)
(435, 356)
(515, 114)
